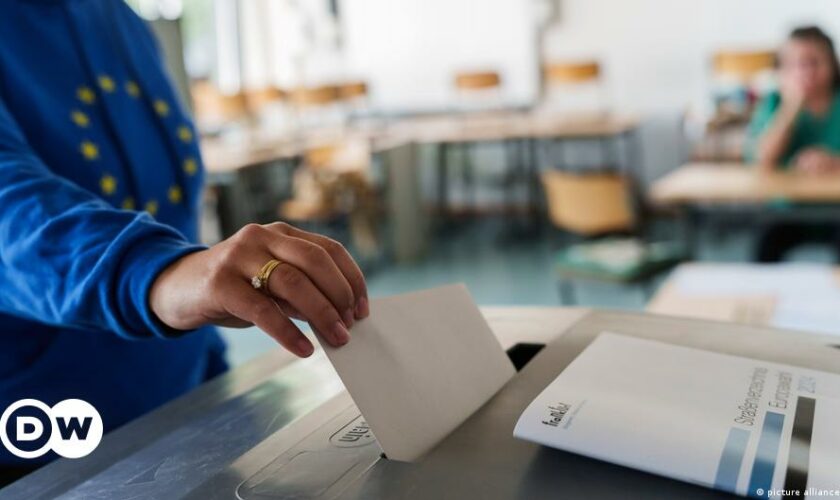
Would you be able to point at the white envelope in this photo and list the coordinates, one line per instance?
(419, 365)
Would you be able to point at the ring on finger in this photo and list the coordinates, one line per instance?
(260, 281)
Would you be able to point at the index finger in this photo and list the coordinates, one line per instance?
(345, 262)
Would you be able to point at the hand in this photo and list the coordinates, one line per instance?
(815, 161)
(793, 96)
(317, 281)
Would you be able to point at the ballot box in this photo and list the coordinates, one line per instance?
(262, 433)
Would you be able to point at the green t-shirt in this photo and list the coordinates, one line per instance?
(809, 130)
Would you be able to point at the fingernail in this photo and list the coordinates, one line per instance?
(340, 333)
(305, 347)
(348, 318)
(362, 308)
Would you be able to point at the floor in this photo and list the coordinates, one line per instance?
(502, 271)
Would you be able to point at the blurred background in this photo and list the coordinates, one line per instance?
(543, 152)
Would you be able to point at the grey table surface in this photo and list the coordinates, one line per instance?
(231, 437)
(171, 451)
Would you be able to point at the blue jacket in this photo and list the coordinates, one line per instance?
(100, 186)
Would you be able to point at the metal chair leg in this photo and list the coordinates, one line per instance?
(566, 290)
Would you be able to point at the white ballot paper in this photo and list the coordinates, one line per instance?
(748, 427)
(419, 365)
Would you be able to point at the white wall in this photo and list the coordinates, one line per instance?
(657, 52)
(409, 50)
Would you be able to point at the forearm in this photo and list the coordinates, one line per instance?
(67, 258)
(774, 142)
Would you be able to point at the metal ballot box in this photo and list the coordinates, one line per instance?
(260, 433)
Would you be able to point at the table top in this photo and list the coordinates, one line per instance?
(750, 309)
(220, 433)
(707, 183)
(248, 147)
(511, 125)
(252, 146)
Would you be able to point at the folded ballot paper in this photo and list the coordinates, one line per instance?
(419, 365)
(748, 427)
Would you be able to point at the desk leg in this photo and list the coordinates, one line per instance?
(443, 180)
(513, 173)
(556, 154)
(533, 177)
(692, 220)
(468, 176)
(634, 155)
(608, 156)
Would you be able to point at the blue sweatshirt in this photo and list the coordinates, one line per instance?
(100, 186)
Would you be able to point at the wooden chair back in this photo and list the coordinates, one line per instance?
(589, 204)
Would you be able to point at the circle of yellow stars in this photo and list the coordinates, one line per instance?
(90, 151)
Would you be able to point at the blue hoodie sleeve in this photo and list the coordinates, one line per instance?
(67, 258)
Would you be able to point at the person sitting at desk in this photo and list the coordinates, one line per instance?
(104, 294)
(799, 128)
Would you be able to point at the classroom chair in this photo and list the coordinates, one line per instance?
(479, 98)
(598, 209)
(333, 190)
(271, 110)
(743, 65)
(479, 85)
(350, 91)
(317, 106)
(354, 96)
(739, 79)
(216, 111)
(575, 91)
(574, 87)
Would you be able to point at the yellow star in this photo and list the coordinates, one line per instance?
(184, 133)
(132, 88)
(89, 150)
(79, 118)
(161, 108)
(108, 184)
(175, 194)
(106, 83)
(190, 166)
(151, 207)
(128, 203)
(86, 94)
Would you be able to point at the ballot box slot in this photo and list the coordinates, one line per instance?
(521, 354)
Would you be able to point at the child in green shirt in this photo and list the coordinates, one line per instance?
(799, 128)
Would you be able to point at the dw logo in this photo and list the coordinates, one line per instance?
(30, 428)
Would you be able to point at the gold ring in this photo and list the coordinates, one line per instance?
(260, 281)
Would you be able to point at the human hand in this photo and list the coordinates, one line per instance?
(793, 95)
(816, 161)
(317, 281)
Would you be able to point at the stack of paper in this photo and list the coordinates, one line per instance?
(740, 425)
(807, 296)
